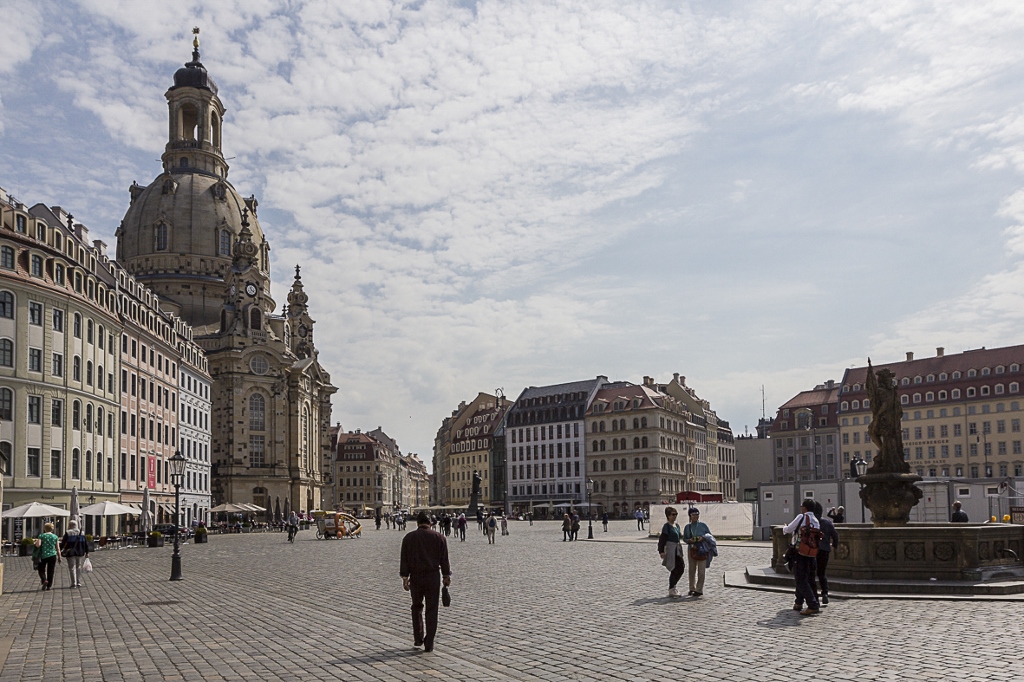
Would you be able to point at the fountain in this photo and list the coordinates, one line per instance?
(892, 555)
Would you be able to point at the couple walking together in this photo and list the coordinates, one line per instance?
(697, 537)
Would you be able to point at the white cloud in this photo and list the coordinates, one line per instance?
(533, 192)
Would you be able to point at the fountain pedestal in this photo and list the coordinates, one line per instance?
(890, 496)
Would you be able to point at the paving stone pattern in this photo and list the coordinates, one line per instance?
(530, 607)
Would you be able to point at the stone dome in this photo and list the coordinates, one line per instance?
(194, 75)
(177, 236)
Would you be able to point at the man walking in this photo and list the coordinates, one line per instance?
(639, 519)
(424, 561)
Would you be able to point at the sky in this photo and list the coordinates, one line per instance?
(492, 195)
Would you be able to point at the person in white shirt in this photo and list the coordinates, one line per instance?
(805, 566)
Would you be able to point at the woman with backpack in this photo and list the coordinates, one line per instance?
(75, 549)
(805, 564)
(694, 536)
(490, 525)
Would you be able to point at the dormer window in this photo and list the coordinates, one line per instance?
(985, 371)
(930, 378)
(943, 376)
(905, 381)
(918, 379)
(1000, 369)
(956, 374)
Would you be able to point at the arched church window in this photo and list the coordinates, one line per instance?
(225, 243)
(259, 365)
(255, 319)
(257, 413)
(161, 237)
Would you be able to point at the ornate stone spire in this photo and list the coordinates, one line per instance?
(245, 252)
(297, 298)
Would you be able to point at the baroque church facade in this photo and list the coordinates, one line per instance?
(195, 241)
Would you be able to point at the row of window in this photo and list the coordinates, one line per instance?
(539, 433)
(560, 489)
(564, 469)
(34, 462)
(943, 376)
(157, 360)
(544, 451)
(35, 265)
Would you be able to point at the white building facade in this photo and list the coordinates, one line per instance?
(194, 427)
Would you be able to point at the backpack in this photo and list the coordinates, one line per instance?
(810, 539)
(490, 522)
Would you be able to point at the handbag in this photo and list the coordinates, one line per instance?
(87, 565)
(37, 557)
(446, 596)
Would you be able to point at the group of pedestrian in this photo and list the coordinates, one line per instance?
(570, 527)
(700, 548)
(815, 537)
(51, 549)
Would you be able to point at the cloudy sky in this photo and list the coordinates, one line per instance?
(501, 194)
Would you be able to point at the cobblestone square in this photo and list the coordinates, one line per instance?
(530, 607)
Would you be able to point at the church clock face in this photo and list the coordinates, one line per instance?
(250, 289)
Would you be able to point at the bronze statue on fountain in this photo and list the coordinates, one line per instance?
(888, 486)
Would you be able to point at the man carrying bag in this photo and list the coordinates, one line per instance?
(806, 564)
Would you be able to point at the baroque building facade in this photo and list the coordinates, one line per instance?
(191, 238)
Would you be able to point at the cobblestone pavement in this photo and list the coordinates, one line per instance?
(531, 607)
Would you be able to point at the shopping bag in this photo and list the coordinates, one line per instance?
(87, 565)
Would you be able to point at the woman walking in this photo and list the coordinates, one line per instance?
(670, 548)
(75, 549)
(693, 536)
(48, 556)
(566, 528)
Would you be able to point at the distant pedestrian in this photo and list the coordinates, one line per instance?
(490, 527)
(959, 516)
(75, 549)
(639, 515)
(460, 525)
(566, 528)
(376, 519)
(529, 515)
(48, 555)
(504, 525)
(575, 526)
(670, 547)
(604, 521)
(829, 540)
(806, 524)
(480, 519)
(694, 535)
(838, 515)
(423, 563)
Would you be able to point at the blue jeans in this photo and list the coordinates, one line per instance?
(803, 571)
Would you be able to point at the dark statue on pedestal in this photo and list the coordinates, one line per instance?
(889, 490)
(474, 499)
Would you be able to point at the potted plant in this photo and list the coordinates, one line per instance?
(245, 527)
(156, 539)
(201, 536)
(90, 545)
(26, 546)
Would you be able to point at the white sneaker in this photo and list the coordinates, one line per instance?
(673, 592)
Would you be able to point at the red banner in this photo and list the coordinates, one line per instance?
(151, 472)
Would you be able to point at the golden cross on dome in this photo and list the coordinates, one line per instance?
(195, 41)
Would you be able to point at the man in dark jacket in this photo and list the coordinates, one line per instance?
(424, 561)
(959, 515)
(829, 540)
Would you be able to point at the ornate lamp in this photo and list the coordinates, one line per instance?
(177, 477)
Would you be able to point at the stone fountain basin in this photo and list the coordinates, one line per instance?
(921, 551)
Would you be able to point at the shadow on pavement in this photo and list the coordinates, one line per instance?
(377, 656)
(787, 618)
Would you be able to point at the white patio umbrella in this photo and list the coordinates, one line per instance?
(35, 510)
(229, 508)
(107, 508)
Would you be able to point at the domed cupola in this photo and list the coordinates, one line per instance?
(195, 119)
(179, 233)
(194, 74)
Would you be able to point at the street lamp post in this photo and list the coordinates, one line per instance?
(177, 474)
(590, 510)
(860, 467)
